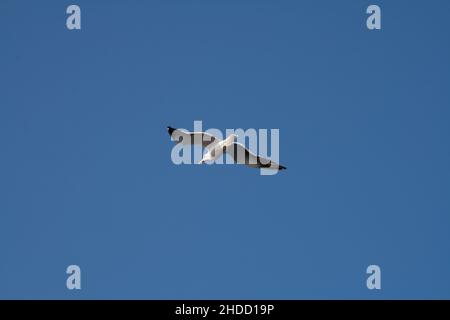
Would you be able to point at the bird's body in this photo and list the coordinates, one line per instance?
(216, 149)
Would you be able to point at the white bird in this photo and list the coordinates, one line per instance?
(215, 148)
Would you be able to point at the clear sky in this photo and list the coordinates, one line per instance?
(86, 176)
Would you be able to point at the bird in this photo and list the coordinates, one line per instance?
(216, 147)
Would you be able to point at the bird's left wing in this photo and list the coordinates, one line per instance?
(185, 137)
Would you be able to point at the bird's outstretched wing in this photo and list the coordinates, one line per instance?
(186, 137)
(242, 155)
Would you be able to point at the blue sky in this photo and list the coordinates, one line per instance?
(86, 176)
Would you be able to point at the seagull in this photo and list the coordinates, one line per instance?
(216, 147)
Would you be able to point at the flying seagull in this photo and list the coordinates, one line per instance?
(216, 147)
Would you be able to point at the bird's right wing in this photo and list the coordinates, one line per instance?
(242, 155)
(185, 137)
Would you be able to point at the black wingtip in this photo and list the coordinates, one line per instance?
(282, 168)
(170, 130)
